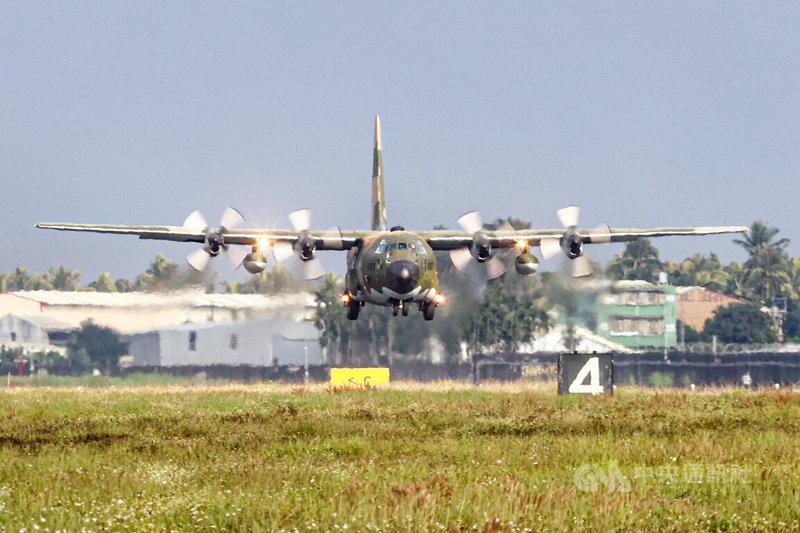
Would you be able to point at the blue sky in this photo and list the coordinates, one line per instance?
(642, 113)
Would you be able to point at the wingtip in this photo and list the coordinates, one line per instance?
(378, 132)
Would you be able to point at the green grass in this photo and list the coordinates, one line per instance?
(135, 379)
(443, 457)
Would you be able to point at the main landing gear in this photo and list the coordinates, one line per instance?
(353, 306)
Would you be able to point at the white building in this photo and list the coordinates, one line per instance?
(252, 342)
(33, 333)
(129, 312)
(555, 341)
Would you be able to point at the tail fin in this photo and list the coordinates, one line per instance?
(378, 200)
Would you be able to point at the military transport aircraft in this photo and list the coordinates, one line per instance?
(389, 266)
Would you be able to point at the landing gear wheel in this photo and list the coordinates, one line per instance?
(428, 310)
(352, 310)
(405, 310)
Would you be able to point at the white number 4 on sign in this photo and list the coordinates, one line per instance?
(592, 369)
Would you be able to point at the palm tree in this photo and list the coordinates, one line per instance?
(329, 317)
(104, 283)
(792, 288)
(65, 279)
(158, 274)
(766, 268)
(760, 234)
(737, 280)
(700, 270)
(638, 261)
(766, 272)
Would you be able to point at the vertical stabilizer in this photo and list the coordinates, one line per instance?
(378, 200)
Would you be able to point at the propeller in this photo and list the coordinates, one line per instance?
(302, 251)
(214, 241)
(571, 243)
(480, 249)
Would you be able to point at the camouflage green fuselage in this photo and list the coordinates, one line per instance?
(396, 266)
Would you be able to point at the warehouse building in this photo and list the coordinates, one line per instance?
(130, 312)
(253, 342)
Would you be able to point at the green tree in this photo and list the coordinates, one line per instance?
(275, 281)
(64, 279)
(638, 261)
(329, 317)
(94, 345)
(124, 285)
(766, 268)
(792, 289)
(103, 283)
(737, 280)
(766, 272)
(791, 322)
(158, 275)
(42, 281)
(19, 280)
(761, 234)
(699, 270)
(503, 322)
(741, 323)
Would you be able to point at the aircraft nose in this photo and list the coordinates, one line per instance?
(404, 276)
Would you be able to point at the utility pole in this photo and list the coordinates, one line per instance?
(305, 377)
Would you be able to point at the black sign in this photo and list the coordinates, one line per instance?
(585, 374)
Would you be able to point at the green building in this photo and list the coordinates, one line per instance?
(638, 315)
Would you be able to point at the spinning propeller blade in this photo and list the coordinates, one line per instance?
(215, 239)
(286, 253)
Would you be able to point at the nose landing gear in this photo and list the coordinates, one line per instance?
(400, 306)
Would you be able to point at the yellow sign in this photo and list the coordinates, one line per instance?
(359, 377)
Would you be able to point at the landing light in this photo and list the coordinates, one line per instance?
(438, 299)
(263, 243)
(345, 298)
(521, 244)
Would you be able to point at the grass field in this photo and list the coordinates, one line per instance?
(445, 457)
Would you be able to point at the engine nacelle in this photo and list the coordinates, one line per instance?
(481, 248)
(305, 247)
(213, 243)
(572, 244)
(254, 262)
(526, 264)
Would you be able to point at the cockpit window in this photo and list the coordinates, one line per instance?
(385, 246)
(421, 246)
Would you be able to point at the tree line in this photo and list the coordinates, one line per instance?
(769, 280)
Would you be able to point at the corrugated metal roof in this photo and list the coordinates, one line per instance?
(45, 322)
(166, 299)
(290, 330)
(683, 290)
(636, 285)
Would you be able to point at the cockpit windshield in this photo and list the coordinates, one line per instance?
(383, 246)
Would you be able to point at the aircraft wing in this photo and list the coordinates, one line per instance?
(450, 240)
(631, 234)
(325, 240)
(344, 240)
